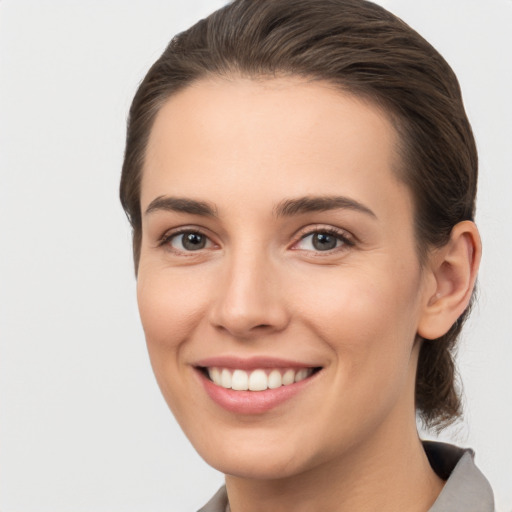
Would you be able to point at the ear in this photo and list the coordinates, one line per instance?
(453, 268)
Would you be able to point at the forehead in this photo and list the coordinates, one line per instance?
(285, 135)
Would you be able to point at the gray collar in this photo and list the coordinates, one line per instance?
(466, 488)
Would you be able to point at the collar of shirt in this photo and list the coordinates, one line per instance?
(466, 488)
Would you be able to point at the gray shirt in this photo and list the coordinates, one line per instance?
(466, 488)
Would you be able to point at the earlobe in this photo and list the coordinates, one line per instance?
(454, 268)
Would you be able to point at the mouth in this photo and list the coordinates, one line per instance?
(258, 379)
(254, 386)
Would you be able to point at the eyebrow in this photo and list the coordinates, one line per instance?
(307, 204)
(180, 204)
(286, 208)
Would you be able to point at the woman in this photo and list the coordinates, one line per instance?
(300, 178)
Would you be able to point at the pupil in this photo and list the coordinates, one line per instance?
(193, 241)
(324, 242)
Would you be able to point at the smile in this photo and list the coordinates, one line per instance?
(255, 386)
(258, 379)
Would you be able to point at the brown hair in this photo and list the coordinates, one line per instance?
(365, 50)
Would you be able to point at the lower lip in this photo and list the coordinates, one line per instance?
(252, 402)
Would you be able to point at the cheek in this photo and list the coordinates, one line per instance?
(170, 310)
(370, 327)
(170, 307)
(367, 317)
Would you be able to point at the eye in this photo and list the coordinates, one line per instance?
(322, 241)
(187, 241)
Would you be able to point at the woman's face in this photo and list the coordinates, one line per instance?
(278, 245)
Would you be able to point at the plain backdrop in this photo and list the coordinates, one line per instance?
(82, 424)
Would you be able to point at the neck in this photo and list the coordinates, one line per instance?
(391, 473)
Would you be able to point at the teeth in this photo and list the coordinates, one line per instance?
(240, 380)
(274, 379)
(257, 380)
(215, 375)
(225, 379)
(301, 375)
(288, 377)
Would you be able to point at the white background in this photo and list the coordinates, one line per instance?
(82, 423)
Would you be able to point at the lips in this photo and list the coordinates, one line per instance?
(253, 386)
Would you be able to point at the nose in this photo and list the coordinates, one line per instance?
(249, 301)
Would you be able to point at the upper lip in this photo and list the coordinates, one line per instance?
(251, 363)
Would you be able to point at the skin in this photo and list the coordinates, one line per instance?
(348, 440)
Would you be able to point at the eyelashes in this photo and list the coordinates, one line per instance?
(190, 241)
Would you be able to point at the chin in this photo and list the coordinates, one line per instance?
(257, 455)
(257, 466)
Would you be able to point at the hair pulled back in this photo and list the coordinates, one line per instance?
(363, 49)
